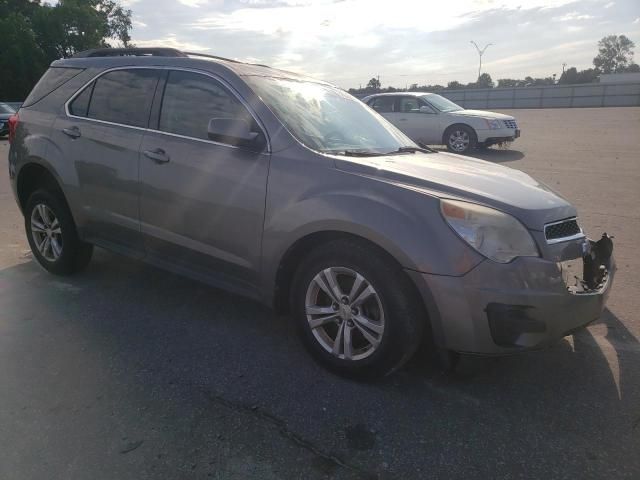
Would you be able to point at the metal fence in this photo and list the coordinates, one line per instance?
(551, 96)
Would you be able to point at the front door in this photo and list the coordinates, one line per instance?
(101, 138)
(202, 202)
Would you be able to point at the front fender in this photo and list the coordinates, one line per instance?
(404, 222)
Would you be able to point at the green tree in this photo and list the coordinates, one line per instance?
(22, 61)
(484, 81)
(573, 76)
(455, 85)
(75, 25)
(615, 54)
(32, 35)
(374, 84)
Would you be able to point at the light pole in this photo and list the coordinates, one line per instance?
(480, 53)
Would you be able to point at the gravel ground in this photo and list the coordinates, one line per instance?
(129, 372)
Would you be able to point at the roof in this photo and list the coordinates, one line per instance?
(118, 57)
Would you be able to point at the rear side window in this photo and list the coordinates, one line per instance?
(80, 105)
(382, 104)
(120, 96)
(52, 79)
(191, 100)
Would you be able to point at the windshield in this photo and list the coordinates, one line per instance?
(4, 108)
(327, 119)
(441, 103)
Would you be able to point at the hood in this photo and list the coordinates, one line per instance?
(481, 113)
(446, 175)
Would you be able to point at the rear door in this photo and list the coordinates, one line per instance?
(100, 136)
(202, 202)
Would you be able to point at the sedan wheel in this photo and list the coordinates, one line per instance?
(459, 140)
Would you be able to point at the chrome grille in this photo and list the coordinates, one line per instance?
(563, 230)
(510, 123)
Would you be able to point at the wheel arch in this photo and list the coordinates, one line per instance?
(33, 175)
(294, 254)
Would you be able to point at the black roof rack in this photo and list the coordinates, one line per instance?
(148, 52)
(133, 52)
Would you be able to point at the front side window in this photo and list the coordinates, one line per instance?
(191, 100)
(409, 105)
(327, 119)
(122, 96)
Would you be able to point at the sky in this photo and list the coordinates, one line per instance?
(346, 42)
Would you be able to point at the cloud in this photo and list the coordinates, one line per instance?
(171, 41)
(405, 41)
(137, 23)
(572, 16)
(636, 21)
(193, 3)
(609, 5)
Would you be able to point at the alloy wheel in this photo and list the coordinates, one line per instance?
(459, 140)
(345, 313)
(46, 232)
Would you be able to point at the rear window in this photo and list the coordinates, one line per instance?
(50, 81)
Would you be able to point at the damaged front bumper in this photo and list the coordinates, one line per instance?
(523, 305)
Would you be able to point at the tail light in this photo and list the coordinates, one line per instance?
(13, 126)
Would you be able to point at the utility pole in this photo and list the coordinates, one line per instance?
(480, 53)
(563, 65)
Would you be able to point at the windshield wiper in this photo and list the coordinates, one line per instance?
(358, 153)
(412, 150)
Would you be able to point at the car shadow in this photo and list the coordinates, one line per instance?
(185, 368)
(493, 154)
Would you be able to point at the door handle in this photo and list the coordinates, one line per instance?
(158, 155)
(73, 132)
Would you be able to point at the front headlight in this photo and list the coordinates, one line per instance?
(492, 123)
(494, 234)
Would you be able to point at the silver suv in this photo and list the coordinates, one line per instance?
(288, 190)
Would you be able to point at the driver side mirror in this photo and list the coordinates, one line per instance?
(235, 131)
(425, 109)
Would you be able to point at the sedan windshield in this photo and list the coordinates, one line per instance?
(441, 103)
(327, 119)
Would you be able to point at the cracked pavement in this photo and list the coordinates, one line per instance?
(127, 371)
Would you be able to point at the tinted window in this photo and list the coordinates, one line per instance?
(80, 105)
(382, 104)
(4, 108)
(51, 80)
(191, 100)
(124, 96)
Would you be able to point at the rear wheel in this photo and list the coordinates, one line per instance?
(355, 310)
(460, 139)
(52, 234)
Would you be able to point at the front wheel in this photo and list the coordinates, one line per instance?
(460, 139)
(355, 310)
(52, 234)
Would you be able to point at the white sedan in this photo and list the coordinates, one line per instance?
(432, 119)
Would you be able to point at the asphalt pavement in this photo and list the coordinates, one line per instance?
(129, 372)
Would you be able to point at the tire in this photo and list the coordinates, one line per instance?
(393, 311)
(71, 255)
(460, 139)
